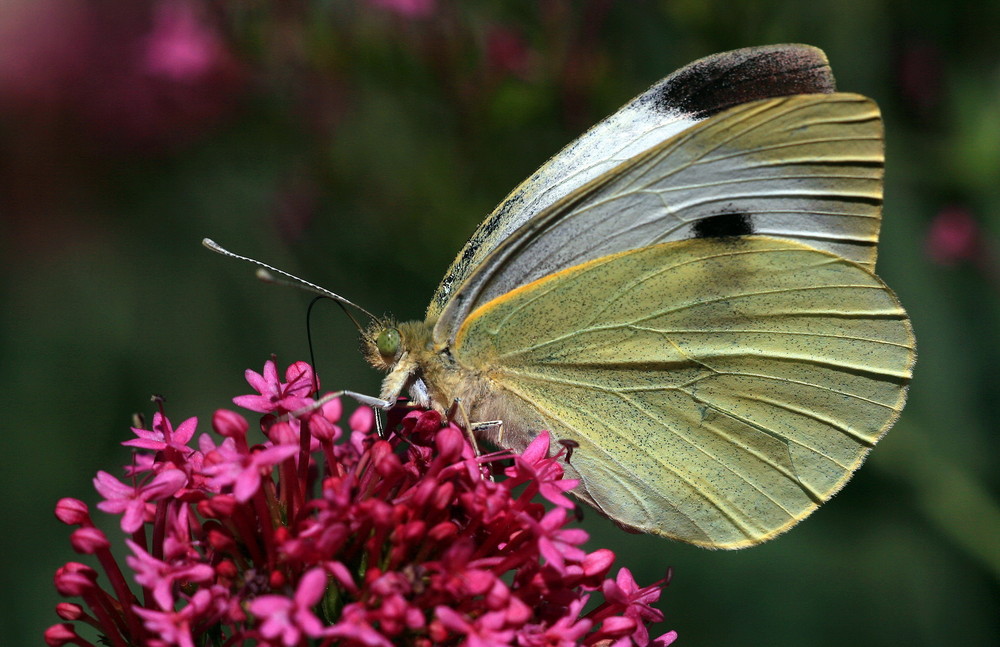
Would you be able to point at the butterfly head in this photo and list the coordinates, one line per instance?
(403, 350)
(381, 343)
(385, 342)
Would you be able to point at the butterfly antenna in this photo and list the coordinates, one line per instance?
(309, 338)
(267, 273)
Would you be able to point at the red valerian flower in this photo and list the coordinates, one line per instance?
(277, 396)
(163, 436)
(132, 501)
(323, 536)
(287, 618)
(160, 577)
(226, 465)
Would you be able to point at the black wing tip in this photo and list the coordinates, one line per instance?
(714, 83)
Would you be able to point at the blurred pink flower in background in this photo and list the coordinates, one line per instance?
(920, 75)
(135, 74)
(40, 45)
(953, 237)
(508, 51)
(85, 86)
(181, 46)
(164, 77)
(407, 8)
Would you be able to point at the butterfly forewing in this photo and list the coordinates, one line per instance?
(692, 94)
(719, 389)
(807, 168)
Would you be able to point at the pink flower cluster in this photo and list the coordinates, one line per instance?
(321, 537)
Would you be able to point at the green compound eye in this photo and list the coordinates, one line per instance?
(388, 342)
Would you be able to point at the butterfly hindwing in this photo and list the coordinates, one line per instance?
(719, 389)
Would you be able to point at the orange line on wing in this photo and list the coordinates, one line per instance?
(496, 301)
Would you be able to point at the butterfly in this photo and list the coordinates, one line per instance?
(686, 295)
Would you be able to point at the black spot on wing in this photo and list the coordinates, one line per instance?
(713, 84)
(723, 225)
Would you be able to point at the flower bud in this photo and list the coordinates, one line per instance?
(362, 419)
(74, 579)
(61, 634)
(332, 410)
(88, 541)
(323, 429)
(69, 611)
(72, 512)
(281, 433)
(229, 424)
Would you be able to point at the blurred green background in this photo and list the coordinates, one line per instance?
(358, 143)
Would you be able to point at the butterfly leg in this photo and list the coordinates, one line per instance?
(489, 425)
(471, 428)
(477, 428)
(373, 402)
(456, 407)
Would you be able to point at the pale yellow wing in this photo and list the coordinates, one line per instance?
(806, 168)
(719, 389)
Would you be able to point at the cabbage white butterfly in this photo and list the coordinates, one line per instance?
(687, 293)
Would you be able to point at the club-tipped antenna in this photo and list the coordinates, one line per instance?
(266, 273)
